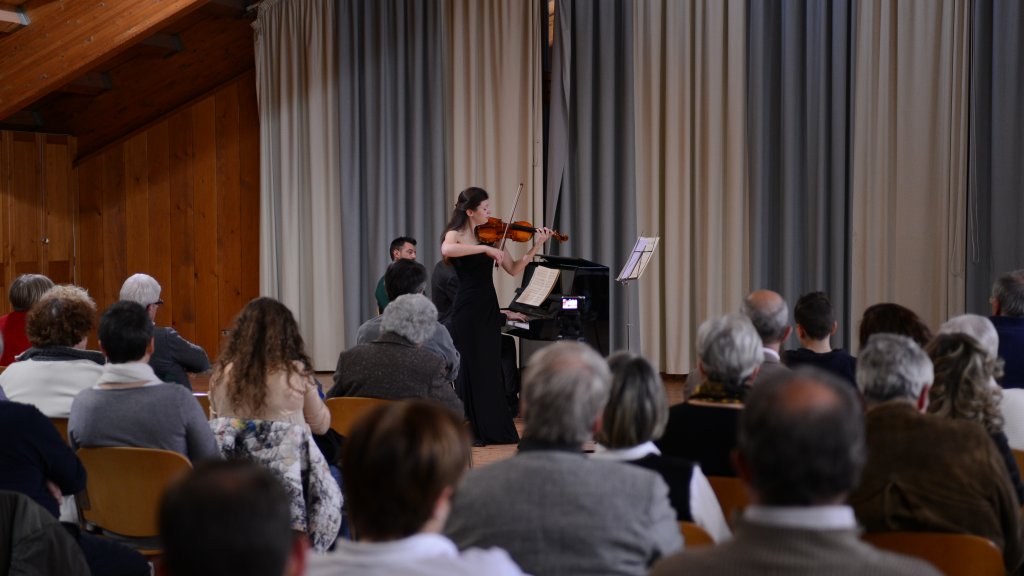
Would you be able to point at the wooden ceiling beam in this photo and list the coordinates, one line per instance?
(12, 18)
(92, 84)
(67, 39)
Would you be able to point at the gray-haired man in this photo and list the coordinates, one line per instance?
(551, 508)
(769, 314)
(173, 356)
(800, 452)
(927, 473)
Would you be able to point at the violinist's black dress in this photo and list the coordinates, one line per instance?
(475, 324)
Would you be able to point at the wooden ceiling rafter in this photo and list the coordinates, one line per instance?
(68, 39)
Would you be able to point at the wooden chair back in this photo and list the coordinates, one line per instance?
(951, 554)
(694, 536)
(124, 487)
(1018, 455)
(204, 401)
(346, 410)
(61, 424)
(732, 496)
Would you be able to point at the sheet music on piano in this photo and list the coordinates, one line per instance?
(541, 285)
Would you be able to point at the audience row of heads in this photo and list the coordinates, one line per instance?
(801, 442)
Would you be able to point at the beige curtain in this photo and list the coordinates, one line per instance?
(300, 210)
(910, 155)
(691, 169)
(495, 109)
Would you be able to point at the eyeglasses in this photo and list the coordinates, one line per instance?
(157, 303)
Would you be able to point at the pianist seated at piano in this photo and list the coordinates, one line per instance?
(396, 366)
(410, 277)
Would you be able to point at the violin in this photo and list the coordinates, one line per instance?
(495, 229)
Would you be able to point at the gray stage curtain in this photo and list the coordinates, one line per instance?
(596, 204)
(393, 168)
(995, 244)
(798, 109)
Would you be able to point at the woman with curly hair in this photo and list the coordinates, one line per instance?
(264, 372)
(963, 390)
(57, 367)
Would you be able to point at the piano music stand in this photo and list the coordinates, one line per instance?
(642, 253)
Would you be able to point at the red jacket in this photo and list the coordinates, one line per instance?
(15, 341)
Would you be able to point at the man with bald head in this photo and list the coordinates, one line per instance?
(769, 314)
(800, 451)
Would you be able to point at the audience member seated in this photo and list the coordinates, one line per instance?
(553, 509)
(25, 291)
(402, 465)
(264, 373)
(925, 473)
(35, 461)
(703, 428)
(34, 542)
(635, 415)
(229, 518)
(265, 403)
(444, 284)
(815, 326)
(396, 366)
(410, 277)
(1011, 405)
(130, 406)
(401, 248)
(889, 318)
(57, 367)
(173, 356)
(801, 449)
(1008, 318)
(961, 390)
(769, 314)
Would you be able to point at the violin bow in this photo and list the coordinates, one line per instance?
(508, 223)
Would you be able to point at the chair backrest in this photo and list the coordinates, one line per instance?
(1018, 455)
(694, 536)
(61, 424)
(204, 401)
(951, 554)
(731, 494)
(124, 487)
(346, 410)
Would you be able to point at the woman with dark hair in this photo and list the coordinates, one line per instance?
(633, 419)
(963, 390)
(476, 321)
(25, 291)
(264, 372)
(264, 402)
(892, 318)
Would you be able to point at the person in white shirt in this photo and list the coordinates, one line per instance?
(402, 463)
(1011, 404)
(633, 419)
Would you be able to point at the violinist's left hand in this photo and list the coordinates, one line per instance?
(542, 235)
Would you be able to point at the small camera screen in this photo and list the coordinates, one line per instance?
(570, 304)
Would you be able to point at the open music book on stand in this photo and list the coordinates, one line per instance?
(643, 252)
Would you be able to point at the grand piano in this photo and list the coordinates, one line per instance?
(576, 309)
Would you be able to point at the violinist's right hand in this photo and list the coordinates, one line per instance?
(495, 254)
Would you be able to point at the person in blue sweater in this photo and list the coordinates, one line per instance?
(35, 461)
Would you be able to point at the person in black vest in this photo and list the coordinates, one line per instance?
(634, 417)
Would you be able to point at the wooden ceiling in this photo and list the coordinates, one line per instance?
(115, 66)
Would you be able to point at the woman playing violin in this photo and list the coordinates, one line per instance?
(476, 321)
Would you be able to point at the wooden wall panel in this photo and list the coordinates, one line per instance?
(37, 215)
(179, 201)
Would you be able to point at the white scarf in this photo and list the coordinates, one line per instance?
(127, 373)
